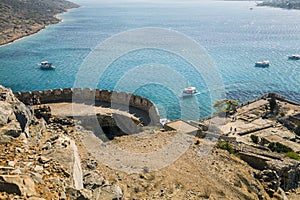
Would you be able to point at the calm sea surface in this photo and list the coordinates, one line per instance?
(234, 37)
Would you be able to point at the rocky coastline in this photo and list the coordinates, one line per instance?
(295, 4)
(23, 18)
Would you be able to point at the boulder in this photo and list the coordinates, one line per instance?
(92, 180)
(17, 184)
(13, 111)
(44, 160)
(82, 194)
(12, 129)
(6, 113)
(110, 192)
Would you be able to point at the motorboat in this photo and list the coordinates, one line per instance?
(264, 63)
(189, 91)
(46, 65)
(294, 57)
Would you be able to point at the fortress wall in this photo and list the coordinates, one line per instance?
(280, 98)
(89, 96)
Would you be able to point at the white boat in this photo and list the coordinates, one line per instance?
(264, 63)
(294, 57)
(46, 65)
(189, 91)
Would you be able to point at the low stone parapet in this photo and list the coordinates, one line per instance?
(115, 99)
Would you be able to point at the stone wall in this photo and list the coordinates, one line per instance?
(280, 98)
(256, 161)
(117, 100)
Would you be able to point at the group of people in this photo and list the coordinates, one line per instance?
(35, 100)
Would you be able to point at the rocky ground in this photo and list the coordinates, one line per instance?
(43, 156)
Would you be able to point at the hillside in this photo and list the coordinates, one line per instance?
(19, 18)
(287, 4)
(44, 154)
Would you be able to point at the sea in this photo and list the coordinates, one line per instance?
(144, 47)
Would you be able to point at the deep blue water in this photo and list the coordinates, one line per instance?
(233, 36)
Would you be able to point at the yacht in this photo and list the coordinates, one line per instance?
(46, 65)
(189, 91)
(294, 57)
(264, 63)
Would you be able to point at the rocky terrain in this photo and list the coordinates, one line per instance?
(286, 4)
(19, 18)
(46, 156)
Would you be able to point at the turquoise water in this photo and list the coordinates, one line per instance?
(234, 37)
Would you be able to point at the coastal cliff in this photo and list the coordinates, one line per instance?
(19, 18)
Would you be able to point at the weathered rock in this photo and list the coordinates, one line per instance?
(35, 198)
(92, 164)
(63, 121)
(92, 180)
(11, 163)
(82, 194)
(12, 129)
(6, 113)
(270, 181)
(110, 192)
(38, 168)
(62, 195)
(19, 150)
(38, 178)
(15, 117)
(47, 146)
(44, 160)
(288, 171)
(43, 112)
(4, 169)
(17, 184)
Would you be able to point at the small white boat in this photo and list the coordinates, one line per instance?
(189, 91)
(264, 63)
(294, 57)
(46, 65)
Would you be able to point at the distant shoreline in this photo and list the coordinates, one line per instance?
(281, 4)
(35, 29)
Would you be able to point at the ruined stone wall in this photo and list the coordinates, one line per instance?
(280, 98)
(255, 161)
(117, 100)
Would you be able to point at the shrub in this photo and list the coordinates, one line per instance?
(254, 139)
(292, 155)
(226, 146)
(279, 148)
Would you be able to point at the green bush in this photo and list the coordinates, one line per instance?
(272, 103)
(279, 148)
(226, 146)
(292, 155)
(254, 139)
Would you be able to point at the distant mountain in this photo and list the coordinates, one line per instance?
(19, 18)
(287, 4)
